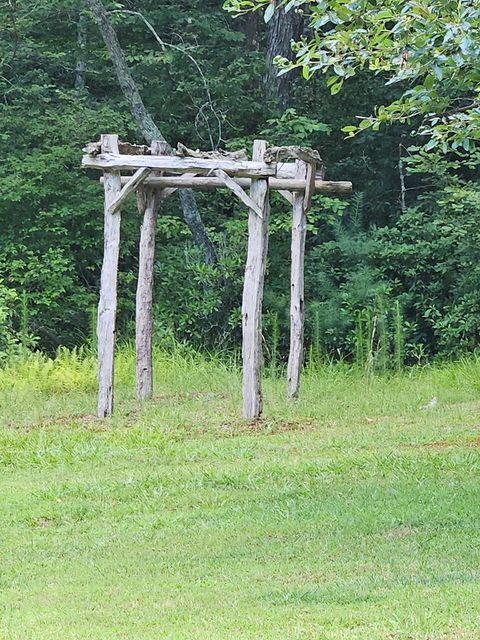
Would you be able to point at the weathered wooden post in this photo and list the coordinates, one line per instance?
(297, 284)
(253, 292)
(107, 308)
(149, 200)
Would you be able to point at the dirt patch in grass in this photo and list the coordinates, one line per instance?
(80, 420)
(475, 442)
(191, 395)
(43, 523)
(264, 426)
(446, 444)
(403, 531)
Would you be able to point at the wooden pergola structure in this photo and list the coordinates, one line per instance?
(154, 174)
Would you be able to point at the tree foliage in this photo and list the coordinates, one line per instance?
(428, 49)
(365, 256)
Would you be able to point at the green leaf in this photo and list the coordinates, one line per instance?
(431, 144)
(365, 123)
(336, 88)
(384, 14)
(429, 82)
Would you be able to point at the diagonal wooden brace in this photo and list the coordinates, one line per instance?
(288, 195)
(133, 184)
(310, 186)
(238, 191)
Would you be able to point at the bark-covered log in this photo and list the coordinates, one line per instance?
(95, 148)
(276, 184)
(297, 287)
(306, 154)
(185, 152)
(81, 65)
(148, 200)
(174, 164)
(253, 293)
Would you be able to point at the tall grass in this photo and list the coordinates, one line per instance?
(379, 338)
(274, 325)
(181, 371)
(399, 337)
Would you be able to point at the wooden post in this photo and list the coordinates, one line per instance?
(107, 308)
(253, 292)
(144, 302)
(297, 308)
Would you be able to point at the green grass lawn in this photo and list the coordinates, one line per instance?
(351, 514)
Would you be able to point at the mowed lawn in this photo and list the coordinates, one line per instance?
(350, 514)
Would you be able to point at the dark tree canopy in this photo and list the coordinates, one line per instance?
(429, 49)
(406, 241)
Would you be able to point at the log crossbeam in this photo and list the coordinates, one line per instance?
(166, 192)
(174, 164)
(191, 181)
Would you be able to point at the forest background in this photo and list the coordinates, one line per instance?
(391, 271)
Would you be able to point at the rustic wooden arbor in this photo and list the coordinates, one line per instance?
(155, 174)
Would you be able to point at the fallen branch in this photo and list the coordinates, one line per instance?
(185, 152)
(277, 154)
(95, 148)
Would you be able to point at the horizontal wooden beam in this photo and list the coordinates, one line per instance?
(166, 193)
(174, 164)
(276, 184)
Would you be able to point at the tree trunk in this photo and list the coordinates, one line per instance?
(145, 122)
(81, 66)
(281, 30)
(250, 25)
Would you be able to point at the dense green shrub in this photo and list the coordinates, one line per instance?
(376, 277)
(9, 340)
